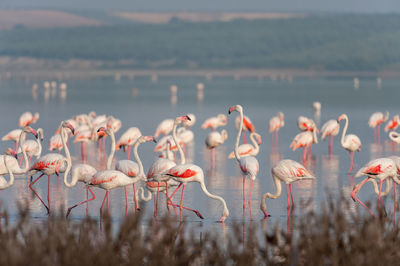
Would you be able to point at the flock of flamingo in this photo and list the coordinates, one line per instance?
(166, 172)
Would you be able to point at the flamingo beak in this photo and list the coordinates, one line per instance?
(222, 219)
(70, 127)
(101, 132)
(151, 138)
(34, 132)
(231, 109)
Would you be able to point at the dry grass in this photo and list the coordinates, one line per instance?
(165, 17)
(42, 19)
(328, 238)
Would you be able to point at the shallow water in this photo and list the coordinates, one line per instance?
(261, 99)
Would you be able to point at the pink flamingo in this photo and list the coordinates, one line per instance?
(3, 183)
(350, 142)
(380, 169)
(165, 127)
(189, 122)
(52, 163)
(13, 162)
(287, 171)
(213, 140)
(393, 123)
(249, 164)
(82, 173)
(394, 136)
(275, 124)
(305, 123)
(247, 126)
(13, 135)
(214, 122)
(28, 118)
(304, 140)
(128, 138)
(33, 147)
(375, 121)
(110, 179)
(248, 149)
(331, 128)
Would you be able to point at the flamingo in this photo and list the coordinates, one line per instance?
(165, 127)
(13, 162)
(110, 179)
(13, 135)
(304, 140)
(157, 174)
(393, 123)
(248, 149)
(55, 142)
(248, 164)
(380, 169)
(375, 121)
(287, 171)
(275, 124)
(331, 128)
(33, 147)
(214, 139)
(128, 138)
(247, 126)
(3, 183)
(317, 107)
(52, 163)
(214, 122)
(28, 118)
(82, 173)
(114, 123)
(189, 123)
(394, 136)
(350, 142)
(305, 123)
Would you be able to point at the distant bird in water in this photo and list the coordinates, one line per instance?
(28, 118)
(275, 124)
(330, 129)
(393, 123)
(215, 122)
(165, 127)
(375, 121)
(305, 123)
(213, 140)
(350, 142)
(305, 140)
(287, 171)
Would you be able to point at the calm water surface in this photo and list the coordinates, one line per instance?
(261, 100)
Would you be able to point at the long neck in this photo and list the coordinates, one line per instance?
(344, 129)
(315, 138)
(112, 151)
(139, 162)
(255, 143)
(64, 135)
(21, 142)
(278, 186)
(11, 181)
(181, 154)
(204, 188)
(39, 142)
(74, 178)
(142, 197)
(236, 150)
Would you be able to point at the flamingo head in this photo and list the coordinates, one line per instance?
(68, 125)
(101, 132)
(147, 138)
(281, 116)
(11, 152)
(29, 129)
(235, 108)
(259, 141)
(181, 119)
(225, 214)
(341, 117)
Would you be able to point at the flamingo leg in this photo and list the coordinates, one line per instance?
(304, 154)
(173, 193)
(129, 153)
(104, 200)
(379, 134)
(291, 194)
(287, 192)
(135, 199)
(83, 152)
(37, 195)
(186, 208)
(126, 201)
(354, 192)
(108, 201)
(351, 161)
(244, 195)
(395, 201)
(244, 137)
(48, 192)
(181, 204)
(88, 189)
(380, 191)
(330, 144)
(156, 209)
(251, 191)
(166, 195)
(374, 134)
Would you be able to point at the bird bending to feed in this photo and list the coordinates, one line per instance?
(350, 142)
(248, 149)
(287, 171)
(110, 179)
(304, 140)
(128, 139)
(215, 138)
(330, 129)
(381, 169)
(275, 124)
(28, 118)
(305, 123)
(375, 121)
(248, 164)
(214, 122)
(393, 123)
(52, 163)
(33, 147)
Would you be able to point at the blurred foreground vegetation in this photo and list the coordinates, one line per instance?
(333, 237)
(326, 42)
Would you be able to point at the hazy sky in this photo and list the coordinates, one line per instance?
(214, 5)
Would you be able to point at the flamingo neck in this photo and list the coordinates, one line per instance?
(142, 196)
(21, 142)
(181, 154)
(344, 130)
(255, 143)
(225, 212)
(236, 150)
(11, 181)
(278, 186)
(39, 142)
(64, 135)
(112, 151)
(74, 178)
(139, 162)
(315, 138)
(224, 135)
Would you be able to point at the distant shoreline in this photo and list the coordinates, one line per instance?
(117, 74)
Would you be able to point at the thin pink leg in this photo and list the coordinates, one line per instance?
(173, 193)
(129, 153)
(277, 138)
(37, 195)
(244, 195)
(181, 204)
(395, 201)
(86, 201)
(48, 192)
(330, 144)
(379, 134)
(126, 201)
(251, 191)
(353, 195)
(83, 152)
(351, 161)
(158, 192)
(186, 208)
(108, 202)
(287, 192)
(104, 200)
(244, 137)
(374, 134)
(166, 195)
(134, 198)
(304, 154)
(380, 191)
(291, 194)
